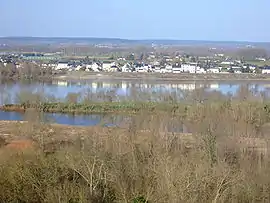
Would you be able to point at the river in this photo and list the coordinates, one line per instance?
(122, 90)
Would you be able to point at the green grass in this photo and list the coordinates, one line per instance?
(259, 63)
(99, 107)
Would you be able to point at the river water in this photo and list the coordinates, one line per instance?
(121, 90)
(106, 120)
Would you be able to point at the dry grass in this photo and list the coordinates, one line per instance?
(225, 159)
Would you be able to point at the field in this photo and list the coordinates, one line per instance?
(223, 158)
(259, 63)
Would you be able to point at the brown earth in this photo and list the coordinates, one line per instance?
(24, 135)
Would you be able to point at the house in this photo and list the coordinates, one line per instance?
(168, 69)
(239, 71)
(200, 70)
(156, 63)
(48, 65)
(252, 68)
(126, 68)
(213, 70)
(162, 69)
(266, 70)
(157, 69)
(96, 67)
(107, 65)
(236, 69)
(142, 68)
(224, 70)
(176, 68)
(79, 67)
(62, 65)
(226, 63)
(88, 68)
(190, 68)
(113, 69)
(121, 59)
(168, 60)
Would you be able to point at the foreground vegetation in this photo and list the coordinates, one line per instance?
(225, 158)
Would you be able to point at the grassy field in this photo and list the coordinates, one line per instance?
(259, 63)
(224, 157)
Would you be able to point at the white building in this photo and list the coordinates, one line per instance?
(95, 67)
(61, 66)
(200, 70)
(236, 67)
(213, 70)
(126, 68)
(177, 69)
(107, 65)
(168, 69)
(237, 71)
(162, 70)
(113, 69)
(266, 70)
(142, 69)
(157, 69)
(190, 68)
(156, 63)
(88, 69)
(227, 63)
(79, 67)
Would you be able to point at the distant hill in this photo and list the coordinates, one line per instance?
(117, 41)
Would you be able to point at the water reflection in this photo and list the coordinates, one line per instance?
(122, 90)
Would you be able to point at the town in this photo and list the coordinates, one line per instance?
(149, 63)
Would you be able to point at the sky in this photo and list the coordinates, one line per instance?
(215, 20)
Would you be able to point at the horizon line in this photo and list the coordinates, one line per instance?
(138, 39)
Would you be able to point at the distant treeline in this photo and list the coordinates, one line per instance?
(26, 70)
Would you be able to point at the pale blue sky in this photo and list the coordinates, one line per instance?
(230, 20)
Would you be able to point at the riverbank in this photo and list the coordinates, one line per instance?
(98, 107)
(158, 77)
